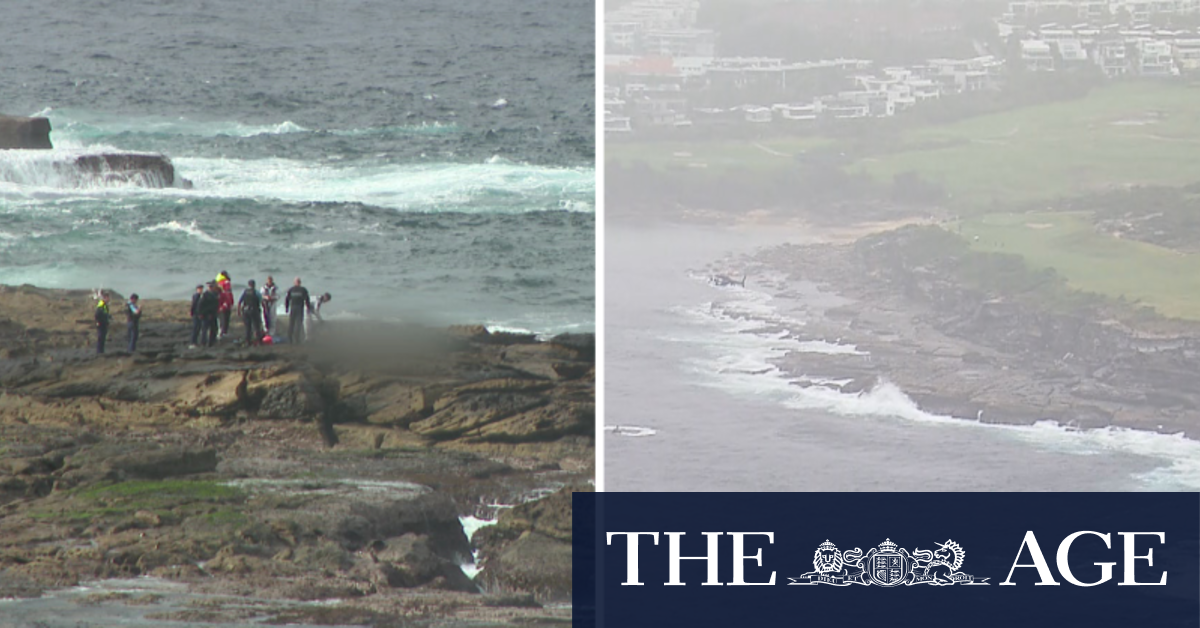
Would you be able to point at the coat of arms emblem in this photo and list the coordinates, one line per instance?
(888, 565)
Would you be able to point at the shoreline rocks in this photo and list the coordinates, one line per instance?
(339, 468)
(999, 356)
(148, 170)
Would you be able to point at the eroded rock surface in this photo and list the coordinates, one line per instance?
(335, 469)
(979, 336)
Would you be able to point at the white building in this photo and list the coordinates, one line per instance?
(756, 114)
(1037, 55)
(1187, 54)
(692, 42)
(1155, 58)
(797, 112)
(1072, 52)
(965, 75)
(616, 124)
(1112, 57)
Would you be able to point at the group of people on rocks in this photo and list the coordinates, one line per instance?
(213, 306)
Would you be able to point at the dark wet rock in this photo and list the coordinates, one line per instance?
(584, 345)
(571, 370)
(143, 169)
(349, 410)
(529, 549)
(22, 132)
(290, 396)
(411, 561)
(336, 469)
(980, 335)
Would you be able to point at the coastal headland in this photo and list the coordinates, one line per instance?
(1032, 263)
(411, 474)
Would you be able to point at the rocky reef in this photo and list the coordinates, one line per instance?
(149, 170)
(23, 132)
(982, 336)
(344, 468)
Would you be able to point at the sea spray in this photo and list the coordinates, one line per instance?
(743, 359)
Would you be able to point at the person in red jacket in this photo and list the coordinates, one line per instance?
(225, 309)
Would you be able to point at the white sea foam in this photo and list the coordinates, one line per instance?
(631, 431)
(742, 362)
(496, 185)
(312, 245)
(32, 172)
(827, 348)
(472, 524)
(74, 128)
(424, 127)
(498, 328)
(190, 229)
(485, 187)
(471, 569)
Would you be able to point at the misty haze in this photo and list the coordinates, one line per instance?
(902, 244)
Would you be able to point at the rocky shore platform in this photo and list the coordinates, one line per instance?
(263, 479)
(979, 336)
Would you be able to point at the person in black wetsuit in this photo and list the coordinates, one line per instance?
(250, 309)
(295, 303)
(102, 320)
(210, 301)
(196, 320)
(133, 317)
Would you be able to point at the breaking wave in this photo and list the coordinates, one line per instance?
(190, 229)
(743, 360)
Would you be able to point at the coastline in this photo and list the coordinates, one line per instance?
(350, 467)
(966, 353)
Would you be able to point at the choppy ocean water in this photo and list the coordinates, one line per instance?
(419, 160)
(696, 402)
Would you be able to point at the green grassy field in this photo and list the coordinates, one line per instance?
(1121, 134)
(717, 155)
(1141, 273)
(1135, 133)
(1126, 133)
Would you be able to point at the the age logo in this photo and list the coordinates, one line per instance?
(888, 565)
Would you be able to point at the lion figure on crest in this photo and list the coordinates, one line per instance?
(940, 564)
(828, 561)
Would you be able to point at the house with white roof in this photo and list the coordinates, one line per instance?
(1113, 58)
(1037, 55)
(1187, 54)
(1155, 58)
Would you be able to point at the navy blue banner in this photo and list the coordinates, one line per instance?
(893, 559)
